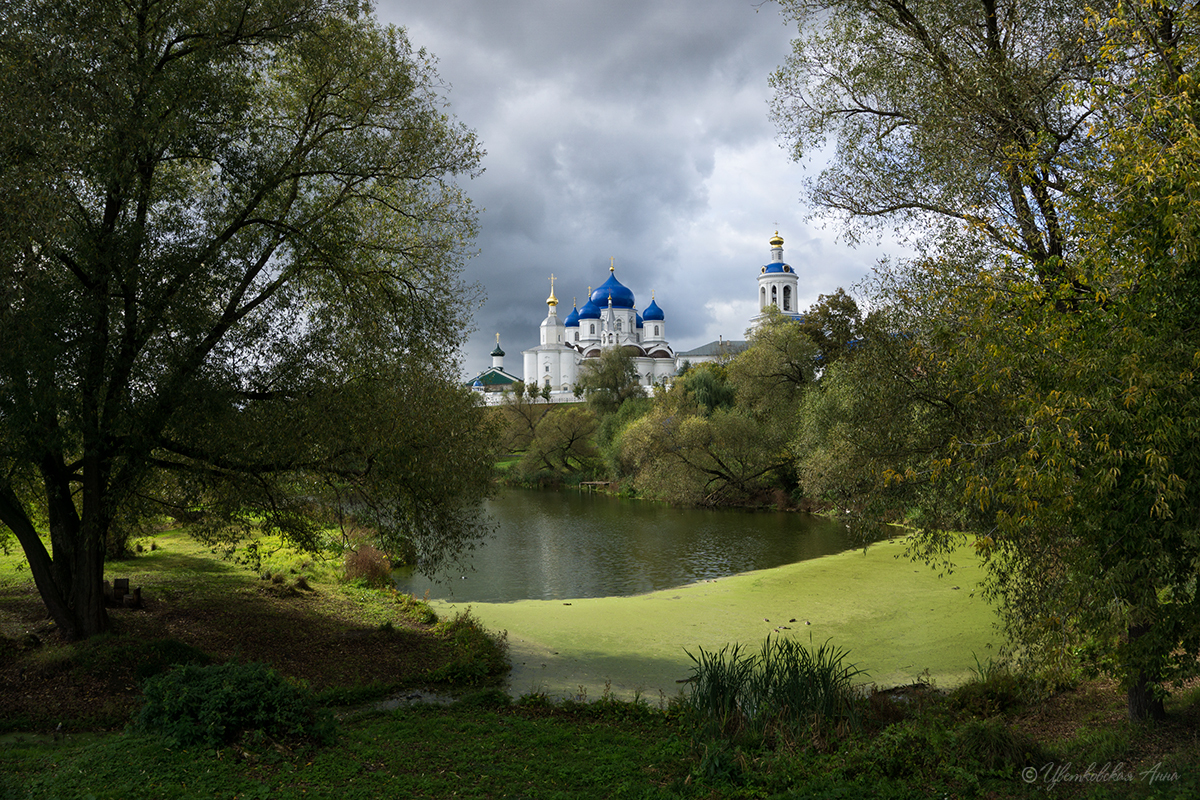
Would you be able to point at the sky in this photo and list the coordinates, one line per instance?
(630, 130)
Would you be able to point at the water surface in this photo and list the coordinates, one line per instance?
(554, 545)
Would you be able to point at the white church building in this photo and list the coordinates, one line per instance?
(610, 319)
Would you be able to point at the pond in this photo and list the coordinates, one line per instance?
(553, 545)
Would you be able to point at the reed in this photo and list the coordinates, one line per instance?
(785, 691)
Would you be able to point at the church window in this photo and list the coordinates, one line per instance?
(787, 298)
(547, 368)
(656, 330)
(775, 296)
(618, 324)
(762, 301)
(577, 336)
(592, 327)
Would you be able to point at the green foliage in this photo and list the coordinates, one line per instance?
(611, 432)
(994, 690)
(785, 691)
(944, 116)
(215, 705)
(479, 656)
(708, 386)
(1029, 378)
(834, 325)
(562, 443)
(231, 272)
(608, 380)
(684, 456)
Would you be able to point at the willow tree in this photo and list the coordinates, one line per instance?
(944, 115)
(1038, 371)
(229, 280)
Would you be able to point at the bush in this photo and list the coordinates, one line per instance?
(217, 704)
(368, 564)
(478, 657)
(993, 690)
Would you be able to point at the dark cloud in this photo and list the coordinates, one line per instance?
(631, 130)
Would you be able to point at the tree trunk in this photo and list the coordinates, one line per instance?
(1142, 702)
(71, 585)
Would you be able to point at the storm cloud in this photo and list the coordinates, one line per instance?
(636, 131)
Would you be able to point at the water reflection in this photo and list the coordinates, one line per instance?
(560, 545)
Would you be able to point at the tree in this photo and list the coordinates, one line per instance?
(1043, 399)
(563, 442)
(685, 456)
(522, 416)
(772, 373)
(608, 380)
(833, 324)
(228, 280)
(949, 117)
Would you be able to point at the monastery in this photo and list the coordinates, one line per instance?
(610, 319)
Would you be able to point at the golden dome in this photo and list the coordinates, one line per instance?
(777, 240)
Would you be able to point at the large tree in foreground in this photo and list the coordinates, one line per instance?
(228, 280)
(1043, 399)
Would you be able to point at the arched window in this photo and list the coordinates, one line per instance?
(592, 328)
(656, 330)
(577, 336)
(618, 325)
(787, 298)
(775, 296)
(762, 298)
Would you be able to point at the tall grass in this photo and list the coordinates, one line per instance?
(784, 691)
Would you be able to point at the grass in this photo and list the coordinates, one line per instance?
(900, 619)
(354, 645)
(296, 616)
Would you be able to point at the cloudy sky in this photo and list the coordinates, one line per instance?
(635, 130)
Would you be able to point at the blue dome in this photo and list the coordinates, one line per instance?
(653, 312)
(638, 321)
(572, 319)
(777, 266)
(589, 311)
(621, 297)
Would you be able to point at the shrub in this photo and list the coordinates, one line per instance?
(368, 564)
(477, 657)
(217, 704)
(995, 747)
(993, 690)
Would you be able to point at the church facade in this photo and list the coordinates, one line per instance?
(610, 319)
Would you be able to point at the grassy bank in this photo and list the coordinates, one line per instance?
(901, 621)
(996, 736)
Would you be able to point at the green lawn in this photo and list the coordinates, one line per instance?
(899, 619)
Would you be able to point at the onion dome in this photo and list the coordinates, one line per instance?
(614, 289)
(653, 312)
(638, 321)
(777, 264)
(497, 353)
(572, 318)
(590, 310)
